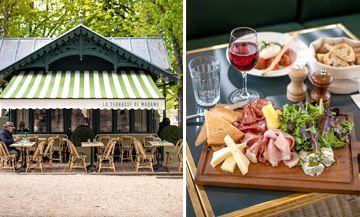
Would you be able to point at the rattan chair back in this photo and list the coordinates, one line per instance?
(58, 142)
(127, 141)
(178, 146)
(49, 147)
(110, 149)
(145, 140)
(34, 139)
(73, 150)
(104, 139)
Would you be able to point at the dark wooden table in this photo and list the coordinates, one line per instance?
(222, 201)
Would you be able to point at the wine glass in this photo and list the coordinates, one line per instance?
(243, 55)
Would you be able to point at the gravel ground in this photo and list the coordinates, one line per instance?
(90, 195)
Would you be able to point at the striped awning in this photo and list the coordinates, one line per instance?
(125, 89)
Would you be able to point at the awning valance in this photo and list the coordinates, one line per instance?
(127, 89)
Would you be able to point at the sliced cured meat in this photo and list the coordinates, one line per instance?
(283, 145)
(295, 157)
(259, 127)
(252, 112)
(272, 154)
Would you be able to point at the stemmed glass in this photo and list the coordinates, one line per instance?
(243, 55)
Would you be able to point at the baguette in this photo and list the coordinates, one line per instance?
(332, 60)
(344, 52)
(325, 48)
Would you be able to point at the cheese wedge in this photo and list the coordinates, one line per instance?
(221, 155)
(241, 160)
(271, 117)
(229, 165)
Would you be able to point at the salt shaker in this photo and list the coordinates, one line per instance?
(322, 80)
(296, 90)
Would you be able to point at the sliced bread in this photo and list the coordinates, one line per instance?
(332, 60)
(218, 128)
(325, 48)
(320, 57)
(345, 52)
(202, 135)
(357, 61)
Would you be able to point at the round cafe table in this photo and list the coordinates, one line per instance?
(23, 145)
(92, 167)
(159, 166)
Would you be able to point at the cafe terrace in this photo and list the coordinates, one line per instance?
(83, 78)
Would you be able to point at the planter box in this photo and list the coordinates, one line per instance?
(87, 151)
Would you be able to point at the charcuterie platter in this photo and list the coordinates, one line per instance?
(341, 177)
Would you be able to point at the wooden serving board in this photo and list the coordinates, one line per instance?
(342, 178)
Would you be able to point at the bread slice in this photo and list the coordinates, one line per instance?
(227, 114)
(357, 61)
(325, 48)
(332, 60)
(320, 57)
(356, 49)
(218, 128)
(345, 52)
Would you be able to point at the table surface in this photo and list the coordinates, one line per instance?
(160, 143)
(221, 200)
(97, 144)
(28, 144)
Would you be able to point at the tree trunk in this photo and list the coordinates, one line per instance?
(179, 70)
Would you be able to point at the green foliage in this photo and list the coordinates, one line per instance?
(82, 134)
(171, 134)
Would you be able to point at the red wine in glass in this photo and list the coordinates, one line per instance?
(243, 55)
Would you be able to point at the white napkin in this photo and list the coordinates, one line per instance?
(356, 99)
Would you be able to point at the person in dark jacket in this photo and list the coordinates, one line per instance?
(6, 137)
(163, 124)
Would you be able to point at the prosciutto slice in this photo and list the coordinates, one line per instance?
(252, 112)
(253, 146)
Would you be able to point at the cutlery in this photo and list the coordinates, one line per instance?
(233, 107)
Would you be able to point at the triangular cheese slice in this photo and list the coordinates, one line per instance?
(218, 128)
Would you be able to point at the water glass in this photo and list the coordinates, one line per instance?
(94, 140)
(57, 135)
(205, 77)
(36, 136)
(89, 140)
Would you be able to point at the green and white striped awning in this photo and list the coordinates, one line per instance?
(127, 89)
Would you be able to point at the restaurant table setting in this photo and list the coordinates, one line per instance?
(160, 144)
(92, 168)
(296, 82)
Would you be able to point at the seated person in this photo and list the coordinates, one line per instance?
(22, 127)
(6, 137)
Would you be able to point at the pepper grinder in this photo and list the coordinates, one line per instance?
(296, 90)
(322, 80)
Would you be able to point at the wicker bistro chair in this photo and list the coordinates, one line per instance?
(108, 155)
(57, 147)
(49, 152)
(104, 140)
(176, 152)
(75, 156)
(36, 157)
(32, 149)
(141, 155)
(126, 144)
(5, 156)
(147, 146)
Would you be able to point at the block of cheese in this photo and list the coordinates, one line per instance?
(271, 117)
(229, 164)
(240, 158)
(221, 155)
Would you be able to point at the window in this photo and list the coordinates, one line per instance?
(80, 117)
(57, 120)
(106, 120)
(22, 119)
(140, 120)
(39, 120)
(123, 121)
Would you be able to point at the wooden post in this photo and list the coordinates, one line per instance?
(164, 92)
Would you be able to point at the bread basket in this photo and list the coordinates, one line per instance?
(346, 79)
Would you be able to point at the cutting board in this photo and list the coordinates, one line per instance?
(342, 178)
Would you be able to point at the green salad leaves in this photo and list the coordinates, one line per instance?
(313, 127)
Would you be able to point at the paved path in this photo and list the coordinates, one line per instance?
(90, 195)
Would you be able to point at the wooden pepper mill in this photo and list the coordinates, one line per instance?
(296, 90)
(322, 80)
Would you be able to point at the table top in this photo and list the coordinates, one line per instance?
(42, 139)
(22, 145)
(160, 143)
(236, 201)
(96, 144)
